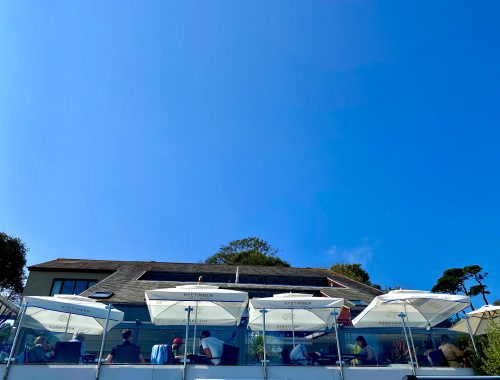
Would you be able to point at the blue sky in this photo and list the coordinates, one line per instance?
(339, 131)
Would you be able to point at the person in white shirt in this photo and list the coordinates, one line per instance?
(299, 355)
(212, 347)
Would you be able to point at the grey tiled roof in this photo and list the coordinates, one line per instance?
(124, 276)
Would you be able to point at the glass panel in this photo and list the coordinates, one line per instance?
(56, 287)
(68, 287)
(81, 285)
(91, 284)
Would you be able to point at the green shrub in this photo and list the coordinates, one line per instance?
(491, 350)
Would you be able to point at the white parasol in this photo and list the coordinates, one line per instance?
(294, 312)
(210, 306)
(479, 320)
(69, 314)
(410, 308)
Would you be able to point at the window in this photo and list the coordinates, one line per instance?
(70, 286)
(101, 295)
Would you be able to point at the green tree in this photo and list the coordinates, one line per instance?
(248, 251)
(496, 303)
(491, 357)
(354, 272)
(454, 281)
(12, 263)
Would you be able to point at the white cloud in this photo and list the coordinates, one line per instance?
(360, 254)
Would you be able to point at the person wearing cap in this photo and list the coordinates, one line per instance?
(177, 348)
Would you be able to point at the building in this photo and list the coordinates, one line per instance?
(123, 283)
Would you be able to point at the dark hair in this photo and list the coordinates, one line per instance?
(205, 334)
(445, 339)
(362, 340)
(127, 333)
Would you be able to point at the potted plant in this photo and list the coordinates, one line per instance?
(257, 348)
(399, 353)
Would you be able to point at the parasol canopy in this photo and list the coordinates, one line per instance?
(69, 314)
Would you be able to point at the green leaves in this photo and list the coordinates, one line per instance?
(354, 272)
(249, 251)
(12, 263)
(491, 357)
(454, 280)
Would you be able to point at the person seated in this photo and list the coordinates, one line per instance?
(80, 337)
(426, 357)
(367, 353)
(468, 350)
(177, 349)
(451, 352)
(41, 352)
(299, 355)
(127, 342)
(356, 350)
(211, 347)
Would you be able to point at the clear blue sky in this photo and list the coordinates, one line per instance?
(351, 131)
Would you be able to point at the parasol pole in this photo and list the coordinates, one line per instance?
(338, 344)
(402, 316)
(188, 315)
(195, 325)
(67, 324)
(470, 333)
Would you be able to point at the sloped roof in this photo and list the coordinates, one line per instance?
(124, 279)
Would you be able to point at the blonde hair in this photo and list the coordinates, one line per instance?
(40, 340)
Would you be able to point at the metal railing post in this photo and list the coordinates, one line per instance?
(16, 337)
(338, 344)
(103, 341)
(402, 316)
(188, 316)
(264, 362)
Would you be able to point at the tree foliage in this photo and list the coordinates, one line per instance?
(248, 251)
(491, 349)
(354, 272)
(12, 263)
(454, 281)
(496, 303)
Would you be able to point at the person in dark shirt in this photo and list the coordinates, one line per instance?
(41, 353)
(366, 354)
(127, 341)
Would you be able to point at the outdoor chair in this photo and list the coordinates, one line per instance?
(162, 354)
(126, 354)
(229, 355)
(438, 358)
(285, 356)
(67, 352)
